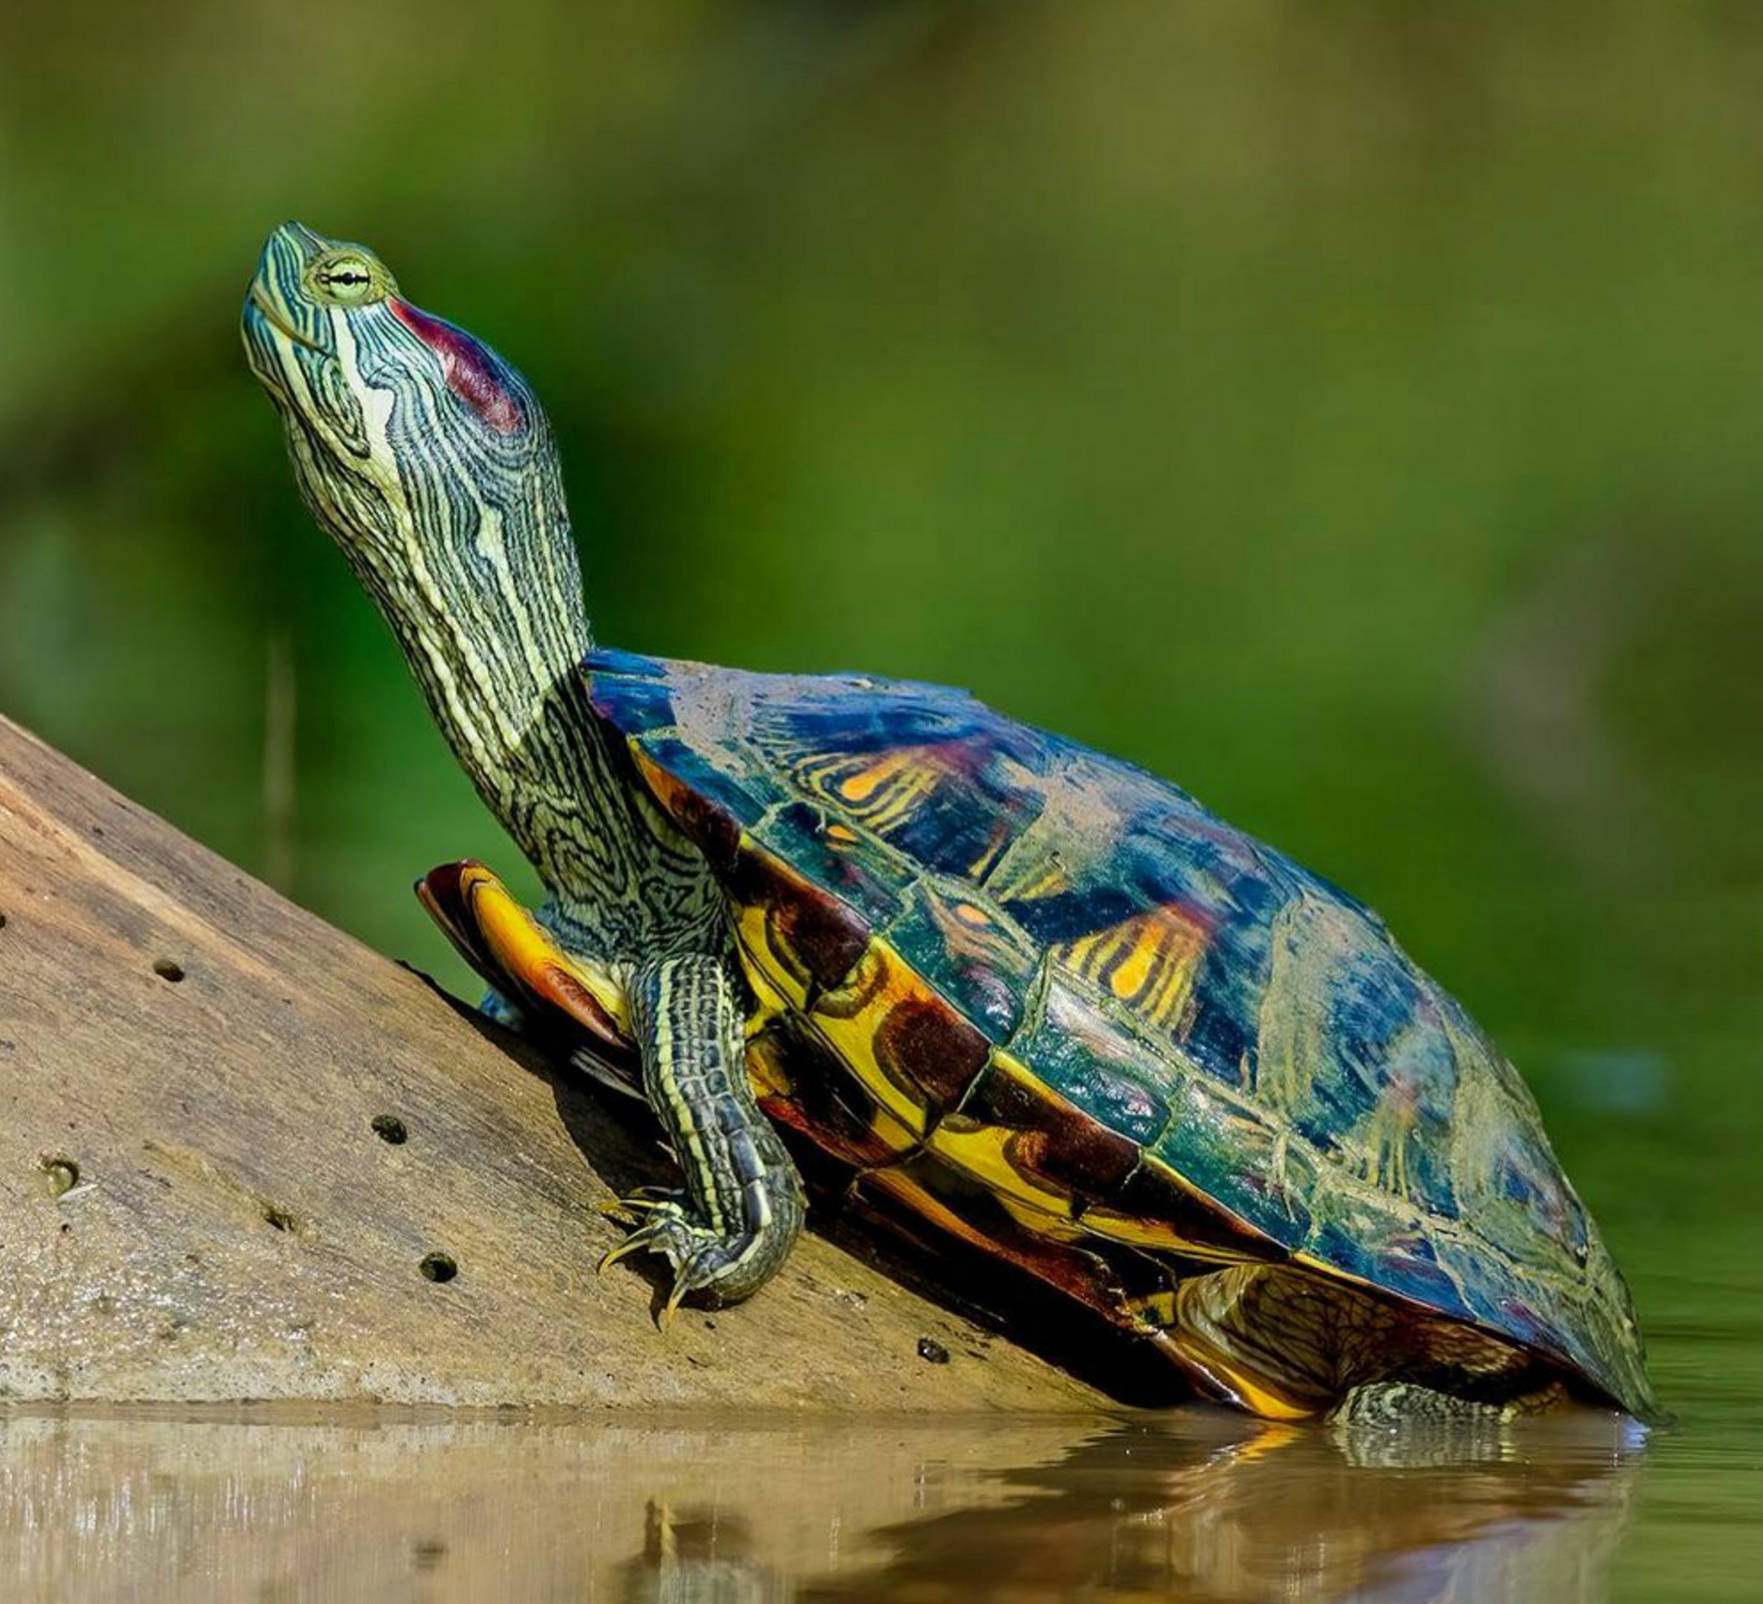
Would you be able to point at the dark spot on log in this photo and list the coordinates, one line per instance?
(166, 969)
(278, 1218)
(932, 1351)
(438, 1267)
(389, 1128)
(932, 1047)
(63, 1174)
(2, 921)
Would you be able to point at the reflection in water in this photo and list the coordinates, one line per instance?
(1287, 1513)
(746, 1511)
(699, 1558)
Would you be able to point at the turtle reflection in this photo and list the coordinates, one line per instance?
(1523, 1511)
(698, 1556)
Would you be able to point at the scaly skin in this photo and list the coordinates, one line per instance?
(431, 463)
(1040, 999)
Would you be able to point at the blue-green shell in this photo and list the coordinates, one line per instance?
(1197, 994)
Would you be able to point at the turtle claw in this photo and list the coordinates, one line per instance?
(690, 1278)
(650, 1201)
(667, 1229)
(681, 1286)
(613, 1254)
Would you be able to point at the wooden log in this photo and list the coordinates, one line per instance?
(241, 1156)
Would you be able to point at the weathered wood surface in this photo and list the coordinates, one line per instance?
(195, 1204)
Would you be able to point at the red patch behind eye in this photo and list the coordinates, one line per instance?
(472, 373)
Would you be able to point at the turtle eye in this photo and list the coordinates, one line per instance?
(347, 278)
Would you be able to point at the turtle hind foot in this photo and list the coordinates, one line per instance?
(719, 1268)
(1392, 1404)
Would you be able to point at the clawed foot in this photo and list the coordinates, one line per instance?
(1399, 1403)
(698, 1255)
(641, 1201)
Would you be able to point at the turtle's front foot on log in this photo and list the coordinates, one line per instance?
(731, 1228)
(726, 1266)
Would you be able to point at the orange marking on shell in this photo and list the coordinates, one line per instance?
(1001, 837)
(663, 784)
(1147, 962)
(858, 788)
(882, 789)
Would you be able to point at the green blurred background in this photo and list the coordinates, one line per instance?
(1351, 411)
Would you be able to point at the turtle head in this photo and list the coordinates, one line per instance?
(390, 411)
(431, 463)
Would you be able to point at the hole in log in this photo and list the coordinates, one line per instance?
(932, 1351)
(389, 1128)
(167, 970)
(2, 921)
(438, 1267)
(281, 1219)
(63, 1174)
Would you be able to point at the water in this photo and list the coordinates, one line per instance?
(1192, 1503)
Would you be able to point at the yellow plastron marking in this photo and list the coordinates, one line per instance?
(843, 1020)
(776, 982)
(766, 1069)
(769, 1071)
(928, 1206)
(770, 999)
(985, 1153)
(525, 949)
(846, 1020)
(1249, 1389)
(1136, 1231)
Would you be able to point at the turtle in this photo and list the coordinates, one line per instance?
(1033, 997)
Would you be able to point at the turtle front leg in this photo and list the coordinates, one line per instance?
(741, 1210)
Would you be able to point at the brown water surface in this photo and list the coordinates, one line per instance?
(1184, 1504)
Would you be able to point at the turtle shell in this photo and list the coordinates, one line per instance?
(1111, 1011)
